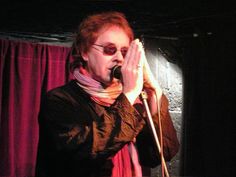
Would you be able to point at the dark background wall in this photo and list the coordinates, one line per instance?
(199, 36)
(209, 92)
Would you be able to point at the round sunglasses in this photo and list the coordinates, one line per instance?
(111, 49)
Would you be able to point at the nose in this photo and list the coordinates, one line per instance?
(119, 57)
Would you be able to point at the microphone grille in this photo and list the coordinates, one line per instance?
(116, 72)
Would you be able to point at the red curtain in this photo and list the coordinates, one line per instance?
(27, 70)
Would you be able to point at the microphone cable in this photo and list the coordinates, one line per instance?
(164, 170)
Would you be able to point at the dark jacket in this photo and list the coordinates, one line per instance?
(78, 137)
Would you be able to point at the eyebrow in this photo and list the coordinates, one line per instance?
(111, 43)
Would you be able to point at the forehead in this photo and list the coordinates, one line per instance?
(113, 34)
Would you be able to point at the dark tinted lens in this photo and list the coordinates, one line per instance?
(110, 49)
(124, 51)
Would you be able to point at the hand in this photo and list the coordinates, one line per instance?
(132, 71)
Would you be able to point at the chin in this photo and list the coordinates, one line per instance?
(109, 82)
(106, 82)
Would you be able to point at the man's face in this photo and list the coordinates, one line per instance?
(99, 63)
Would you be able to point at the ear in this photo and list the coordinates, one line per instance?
(84, 56)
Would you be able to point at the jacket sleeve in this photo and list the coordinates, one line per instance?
(86, 132)
(147, 148)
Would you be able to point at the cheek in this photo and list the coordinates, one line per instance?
(93, 60)
(98, 62)
(97, 65)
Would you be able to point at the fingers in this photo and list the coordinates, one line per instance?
(132, 69)
(136, 55)
(133, 59)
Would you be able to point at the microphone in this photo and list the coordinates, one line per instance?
(116, 72)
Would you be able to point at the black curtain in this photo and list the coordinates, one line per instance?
(209, 101)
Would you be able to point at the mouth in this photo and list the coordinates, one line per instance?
(112, 67)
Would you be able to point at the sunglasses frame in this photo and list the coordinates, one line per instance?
(106, 49)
